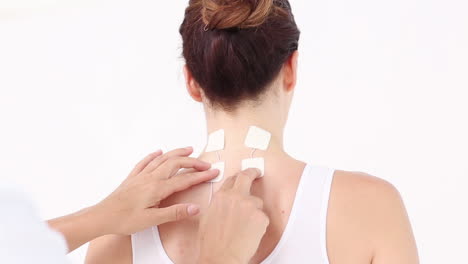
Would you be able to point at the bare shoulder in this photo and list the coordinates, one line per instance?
(365, 201)
(368, 213)
(360, 187)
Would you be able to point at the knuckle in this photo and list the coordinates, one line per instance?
(178, 213)
(160, 160)
(261, 218)
(265, 219)
(159, 196)
(171, 160)
(181, 184)
(164, 192)
(243, 174)
(248, 204)
(153, 188)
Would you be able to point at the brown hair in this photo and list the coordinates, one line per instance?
(235, 48)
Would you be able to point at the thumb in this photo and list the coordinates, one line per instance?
(175, 213)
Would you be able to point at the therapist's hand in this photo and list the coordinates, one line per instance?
(134, 205)
(233, 226)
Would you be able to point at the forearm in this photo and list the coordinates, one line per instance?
(132, 206)
(80, 227)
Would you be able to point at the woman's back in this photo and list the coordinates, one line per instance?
(337, 217)
(277, 189)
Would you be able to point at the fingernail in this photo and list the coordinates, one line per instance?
(158, 151)
(193, 209)
(189, 148)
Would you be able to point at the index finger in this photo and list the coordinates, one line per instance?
(154, 164)
(228, 183)
(173, 165)
(245, 179)
(143, 163)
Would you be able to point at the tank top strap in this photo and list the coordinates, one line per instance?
(147, 248)
(306, 239)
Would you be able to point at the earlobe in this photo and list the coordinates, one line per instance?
(192, 86)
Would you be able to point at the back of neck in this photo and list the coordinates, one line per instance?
(236, 126)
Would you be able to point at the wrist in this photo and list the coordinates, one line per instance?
(78, 228)
(101, 220)
(94, 220)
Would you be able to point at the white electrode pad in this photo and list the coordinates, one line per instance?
(215, 141)
(220, 167)
(257, 138)
(258, 163)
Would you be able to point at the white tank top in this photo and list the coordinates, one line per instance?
(303, 239)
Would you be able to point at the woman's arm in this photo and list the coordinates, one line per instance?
(367, 222)
(394, 240)
(111, 249)
(81, 227)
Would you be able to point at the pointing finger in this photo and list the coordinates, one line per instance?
(183, 182)
(174, 213)
(245, 179)
(173, 165)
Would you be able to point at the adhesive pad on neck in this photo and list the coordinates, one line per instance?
(258, 163)
(215, 141)
(220, 167)
(257, 138)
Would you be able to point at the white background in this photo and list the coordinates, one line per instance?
(88, 88)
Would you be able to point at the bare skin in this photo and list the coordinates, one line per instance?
(375, 230)
(366, 224)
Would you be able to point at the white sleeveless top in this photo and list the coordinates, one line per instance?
(303, 239)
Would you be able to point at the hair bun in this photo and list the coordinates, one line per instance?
(224, 14)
